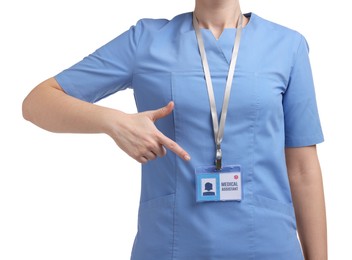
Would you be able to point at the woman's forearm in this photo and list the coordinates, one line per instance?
(48, 107)
(308, 199)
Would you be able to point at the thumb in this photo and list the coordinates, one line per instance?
(162, 112)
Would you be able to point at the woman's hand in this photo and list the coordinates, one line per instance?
(137, 135)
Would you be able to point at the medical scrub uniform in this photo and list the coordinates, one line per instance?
(272, 106)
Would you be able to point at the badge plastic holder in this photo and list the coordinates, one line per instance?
(218, 185)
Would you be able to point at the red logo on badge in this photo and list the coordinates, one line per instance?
(235, 177)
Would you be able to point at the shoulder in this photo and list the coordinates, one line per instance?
(278, 33)
(273, 27)
(152, 24)
(148, 31)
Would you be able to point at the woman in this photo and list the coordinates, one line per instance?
(266, 174)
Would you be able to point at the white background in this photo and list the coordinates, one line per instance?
(76, 196)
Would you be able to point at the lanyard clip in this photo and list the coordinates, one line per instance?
(218, 158)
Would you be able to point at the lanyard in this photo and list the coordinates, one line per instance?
(218, 128)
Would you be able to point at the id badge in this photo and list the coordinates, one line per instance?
(219, 185)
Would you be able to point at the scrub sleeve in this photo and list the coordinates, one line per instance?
(104, 72)
(302, 124)
(272, 106)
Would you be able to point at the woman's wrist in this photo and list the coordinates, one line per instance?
(111, 121)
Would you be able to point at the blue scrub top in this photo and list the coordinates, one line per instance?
(272, 106)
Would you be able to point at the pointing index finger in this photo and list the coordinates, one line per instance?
(173, 146)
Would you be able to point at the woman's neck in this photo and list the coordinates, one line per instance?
(218, 14)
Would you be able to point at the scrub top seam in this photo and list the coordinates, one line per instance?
(173, 246)
(294, 60)
(215, 72)
(174, 224)
(136, 55)
(251, 168)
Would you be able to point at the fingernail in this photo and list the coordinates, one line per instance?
(187, 157)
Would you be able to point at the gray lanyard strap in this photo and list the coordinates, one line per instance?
(218, 128)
